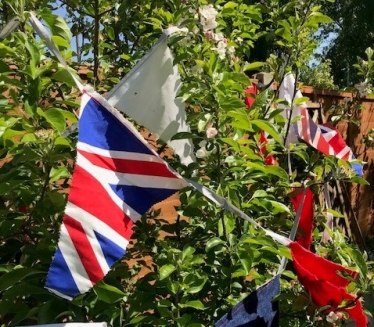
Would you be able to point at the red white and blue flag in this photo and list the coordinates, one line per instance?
(323, 138)
(342, 150)
(117, 178)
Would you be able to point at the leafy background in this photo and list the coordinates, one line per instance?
(208, 262)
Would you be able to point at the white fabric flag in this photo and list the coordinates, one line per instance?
(148, 95)
(73, 324)
(287, 92)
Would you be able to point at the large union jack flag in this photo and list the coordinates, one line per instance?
(117, 178)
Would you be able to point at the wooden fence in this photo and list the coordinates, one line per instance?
(358, 199)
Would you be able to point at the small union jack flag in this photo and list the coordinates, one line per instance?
(341, 149)
(117, 178)
(325, 139)
(311, 133)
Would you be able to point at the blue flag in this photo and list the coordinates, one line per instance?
(256, 310)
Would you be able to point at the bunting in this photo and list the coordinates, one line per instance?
(304, 202)
(117, 178)
(325, 283)
(257, 309)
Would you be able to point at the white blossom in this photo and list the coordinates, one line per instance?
(201, 153)
(196, 69)
(218, 37)
(208, 17)
(231, 50)
(239, 40)
(221, 49)
(193, 11)
(363, 89)
(202, 144)
(195, 30)
(332, 317)
(211, 131)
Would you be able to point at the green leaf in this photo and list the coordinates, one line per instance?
(212, 65)
(280, 207)
(16, 275)
(230, 4)
(359, 260)
(184, 135)
(260, 194)
(300, 101)
(55, 118)
(231, 103)
(62, 75)
(57, 25)
(108, 293)
(213, 242)
(268, 128)
(197, 285)
(187, 252)
(60, 42)
(335, 213)
(166, 271)
(359, 180)
(253, 65)
(196, 304)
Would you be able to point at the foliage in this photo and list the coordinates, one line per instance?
(208, 262)
(354, 33)
(349, 110)
(319, 76)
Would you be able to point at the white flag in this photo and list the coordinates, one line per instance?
(287, 92)
(148, 95)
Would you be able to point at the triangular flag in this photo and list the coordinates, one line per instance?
(305, 128)
(250, 95)
(343, 151)
(305, 199)
(148, 94)
(249, 100)
(117, 178)
(269, 159)
(257, 309)
(326, 287)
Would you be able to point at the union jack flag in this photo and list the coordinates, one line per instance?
(311, 133)
(341, 149)
(324, 138)
(117, 178)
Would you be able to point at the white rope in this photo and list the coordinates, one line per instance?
(223, 203)
(46, 37)
(293, 230)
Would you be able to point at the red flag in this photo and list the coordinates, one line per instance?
(306, 217)
(269, 159)
(250, 90)
(249, 100)
(326, 287)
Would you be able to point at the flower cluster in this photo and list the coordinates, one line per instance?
(205, 147)
(363, 89)
(208, 21)
(208, 18)
(332, 317)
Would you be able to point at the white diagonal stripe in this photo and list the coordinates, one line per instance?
(111, 177)
(73, 262)
(129, 211)
(89, 231)
(90, 223)
(119, 154)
